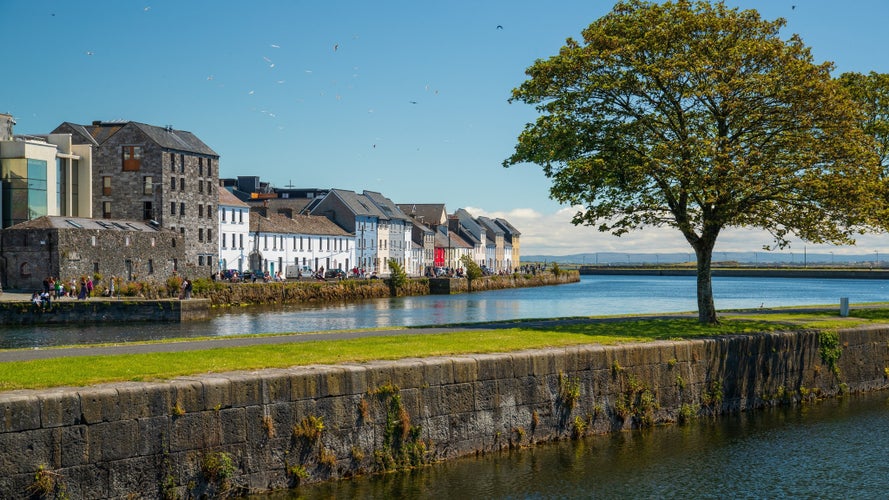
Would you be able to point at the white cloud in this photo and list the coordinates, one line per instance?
(554, 234)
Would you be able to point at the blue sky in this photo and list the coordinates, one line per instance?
(402, 97)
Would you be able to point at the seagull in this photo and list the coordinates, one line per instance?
(89, 52)
(274, 46)
(499, 26)
(335, 46)
(413, 102)
(146, 9)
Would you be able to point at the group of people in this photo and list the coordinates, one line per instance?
(55, 288)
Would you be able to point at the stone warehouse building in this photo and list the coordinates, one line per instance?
(148, 173)
(72, 247)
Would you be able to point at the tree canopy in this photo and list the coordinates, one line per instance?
(699, 117)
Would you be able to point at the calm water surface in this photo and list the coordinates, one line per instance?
(833, 449)
(593, 295)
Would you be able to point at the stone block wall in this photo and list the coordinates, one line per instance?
(271, 429)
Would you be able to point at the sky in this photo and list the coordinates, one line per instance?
(406, 98)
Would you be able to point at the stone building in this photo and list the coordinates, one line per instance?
(71, 247)
(148, 173)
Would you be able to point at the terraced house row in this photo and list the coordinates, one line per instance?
(143, 202)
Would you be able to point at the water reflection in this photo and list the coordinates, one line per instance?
(593, 295)
(817, 451)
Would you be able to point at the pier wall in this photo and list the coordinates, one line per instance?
(272, 429)
(103, 310)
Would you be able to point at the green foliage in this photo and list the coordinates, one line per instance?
(636, 402)
(397, 276)
(699, 117)
(47, 484)
(688, 412)
(556, 269)
(871, 93)
(402, 447)
(298, 472)
(712, 397)
(569, 391)
(830, 350)
(309, 428)
(580, 426)
(471, 270)
(218, 469)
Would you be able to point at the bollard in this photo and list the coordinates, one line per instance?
(844, 306)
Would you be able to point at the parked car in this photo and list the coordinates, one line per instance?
(335, 274)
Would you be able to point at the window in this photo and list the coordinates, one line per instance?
(153, 241)
(209, 236)
(148, 185)
(209, 187)
(172, 183)
(241, 241)
(93, 240)
(200, 234)
(209, 211)
(200, 166)
(172, 208)
(182, 184)
(131, 158)
(241, 216)
(200, 260)
(126, 241)
(106, 185)
(223, 215)
(172, 162)
(223, 240)
(209, 167)
(200, 187)
(147, 210)
(181, 209)
(200, 210)
(150, 266)
(106, 209)
(181, 164)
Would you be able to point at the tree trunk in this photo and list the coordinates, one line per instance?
(706, 307)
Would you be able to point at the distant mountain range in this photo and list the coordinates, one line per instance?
(763, 258)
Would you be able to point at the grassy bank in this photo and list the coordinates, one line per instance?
(90, 370)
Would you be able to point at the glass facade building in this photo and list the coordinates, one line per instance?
(24, 191)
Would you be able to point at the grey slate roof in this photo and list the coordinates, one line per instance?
(168, 138)
(358, 204)
(386, 206)
(300, 224)
(426, 213)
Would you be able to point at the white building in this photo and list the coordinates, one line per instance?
(305, 241)
(234, 232)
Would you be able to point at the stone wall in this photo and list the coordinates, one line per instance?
(271, 429)
(70, 311)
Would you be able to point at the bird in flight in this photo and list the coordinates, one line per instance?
(336, 46)
(499, 26)
(89, 52)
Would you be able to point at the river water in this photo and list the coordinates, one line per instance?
(592, 296)
(832, 449)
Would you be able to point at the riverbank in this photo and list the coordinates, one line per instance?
(16, 306)
(272, 429)
(744, 272)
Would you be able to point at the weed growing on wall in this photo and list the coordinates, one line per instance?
(830, 350)
(47, 484)
(402, 447)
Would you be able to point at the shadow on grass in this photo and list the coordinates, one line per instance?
(659, 329)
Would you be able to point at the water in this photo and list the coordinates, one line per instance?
(592, 296)
(834, 449)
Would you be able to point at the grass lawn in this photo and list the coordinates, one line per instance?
(89, 370)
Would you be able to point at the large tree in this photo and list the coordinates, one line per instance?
(871, 92)
(699, 117)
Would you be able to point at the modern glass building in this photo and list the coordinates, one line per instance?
(42, 175)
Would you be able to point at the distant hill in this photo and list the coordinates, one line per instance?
(763, 258)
